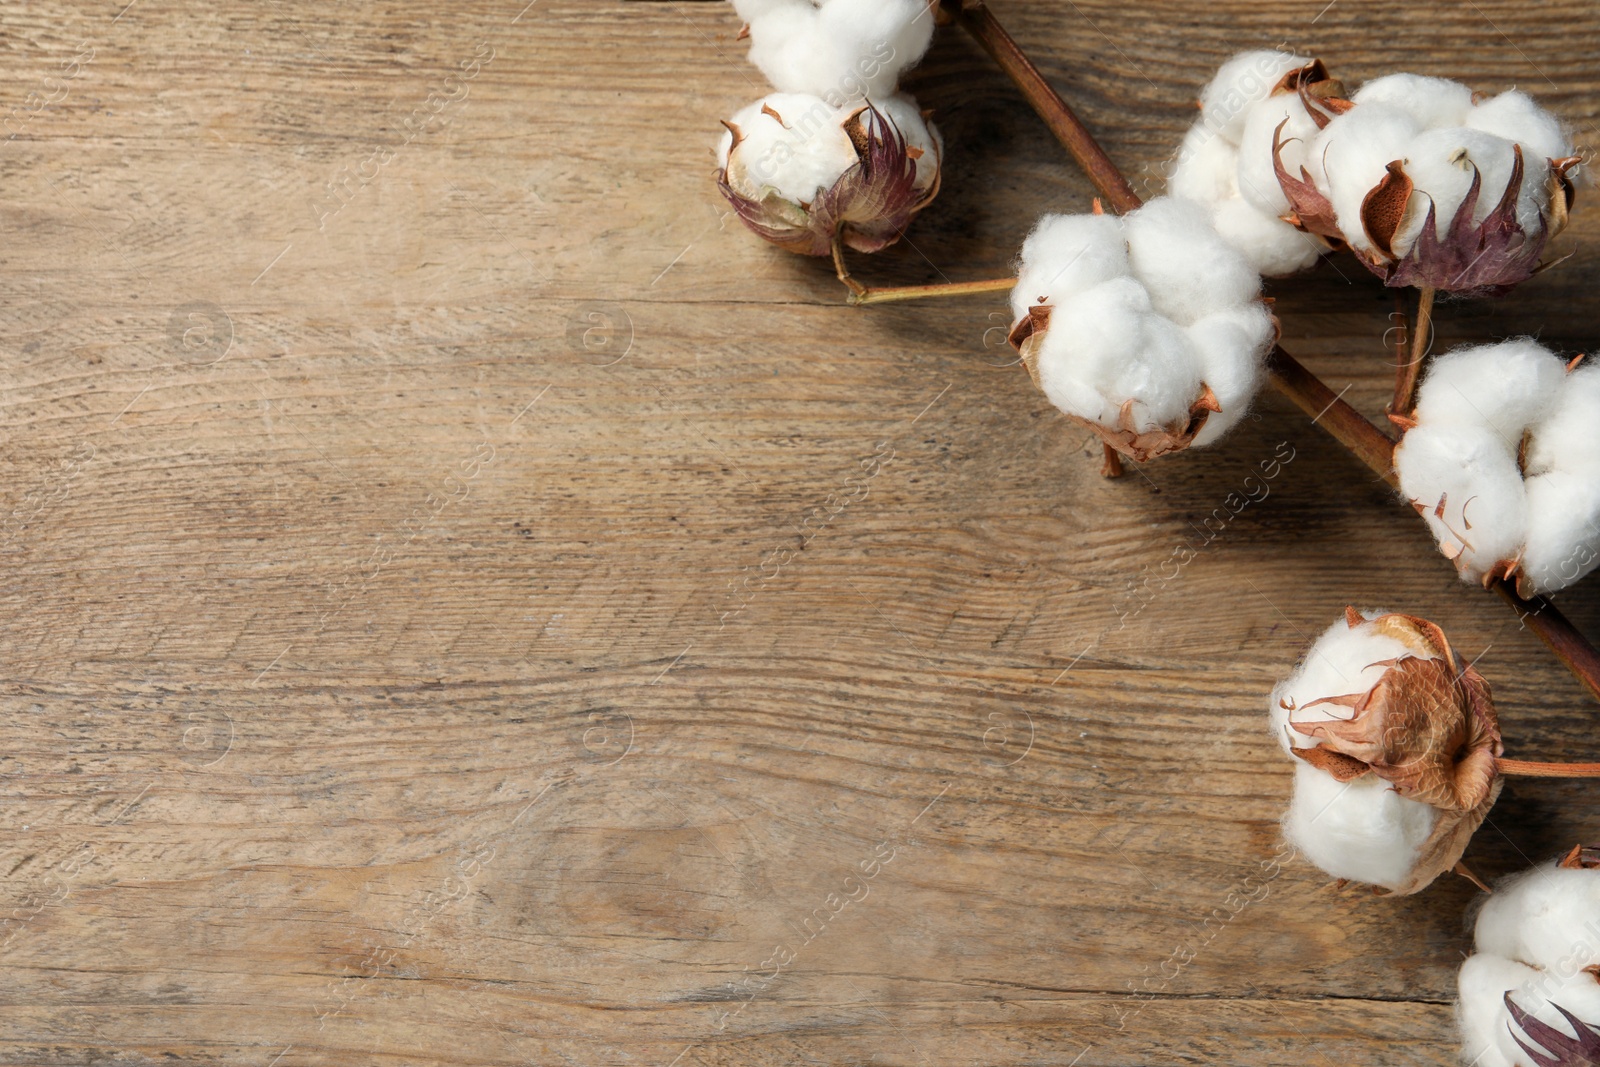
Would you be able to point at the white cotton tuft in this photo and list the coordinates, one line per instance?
(1429, 101)
(1146, 313)
(1441, 164)
(1271, 246)
(1514, 116)
(792, 144)
(1239, 83)
(1536, 936)
(1205, 169)
(1189, 268)
(1257, 176)
(841, 50)
(902, 110)
(1504, 464)
(1361, 829)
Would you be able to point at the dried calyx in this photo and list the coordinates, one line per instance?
(1397, 740)
(1429, 185)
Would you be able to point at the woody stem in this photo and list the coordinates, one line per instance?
(1326, 408)
(861, 294)
(1532, 769)
(1407, 374)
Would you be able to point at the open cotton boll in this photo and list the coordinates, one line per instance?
(1563, 538)
(1361, 830)
(839, 49)
(1568, 437)
(1429, 101)
(1189, 269)
(1066, 254)
(1240, 82)
(1395, 741)
(1352, 154)
(1514, 116)
(1538, 939)
(1505, 387)
(1229, 346)
(1108, 320)
(922, 138)
(792, 144)
(1464, 481)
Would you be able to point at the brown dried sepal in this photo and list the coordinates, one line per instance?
(1309, 210)
(1428, 728)
(1581, 858)
(1322, 95)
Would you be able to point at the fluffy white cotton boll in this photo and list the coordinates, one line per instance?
(1474, 473)
(919, 134)
(1257, 178)
(1231, 346)
(1187, 266)
(1339, 663)
(1206, 169)
(841, 49)
(804, 152)
(1568, 437)
(1514, 116)
(1504, 387)
(1352, 154)
(1361, 829)
(1548, 917)
(1271, 246)
(1107, 345)
(1239, 83)
(1430, 101)
(1065, 255)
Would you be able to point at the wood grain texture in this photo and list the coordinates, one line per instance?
(467, 601)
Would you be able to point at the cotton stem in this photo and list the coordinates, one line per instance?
(1532, 769)
(1410, 371)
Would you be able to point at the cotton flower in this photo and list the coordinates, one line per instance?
(1226, 160)
(1427, 187)
(1530, 996)
(801, 172)
(1503, 462)
(1148, 329)
(1395, 742)
(840, 50)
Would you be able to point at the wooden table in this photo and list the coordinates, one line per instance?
(467, 601)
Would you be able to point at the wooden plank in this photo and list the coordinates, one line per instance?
(496, 611)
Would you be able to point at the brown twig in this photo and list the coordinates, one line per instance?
(976, 18)
(862, 294)
(1409, 372)
(1326, 408)
(1532, 769)
(1111, 466)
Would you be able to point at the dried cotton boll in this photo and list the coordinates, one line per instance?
(1530, 995)
(1238, 84)
(1282, 116)
(1395, 740)
(1352, 155)
(1123, 322)
(803, 174)
(843, 50)
(1442, 164)
(1429, 101)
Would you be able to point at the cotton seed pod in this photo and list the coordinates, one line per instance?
(1395, 740)
(1502, 459)
(1148, 329)
(1529, 997)
(801, 172)
(1427, 185)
